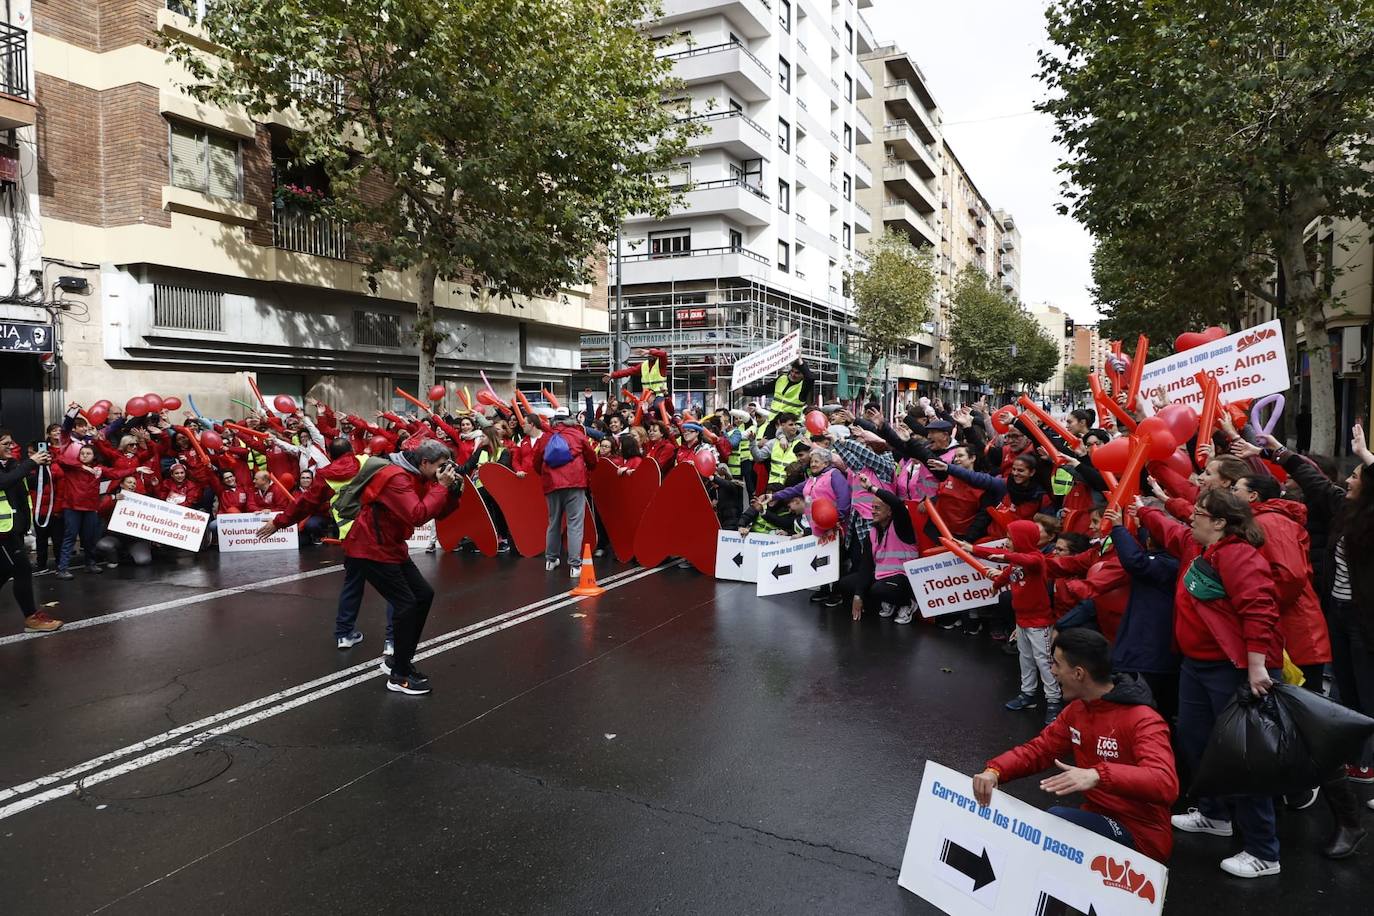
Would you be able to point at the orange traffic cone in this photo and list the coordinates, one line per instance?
(586, 585)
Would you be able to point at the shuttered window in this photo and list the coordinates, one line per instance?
(187, 309)
(373, 329)
(205, 162)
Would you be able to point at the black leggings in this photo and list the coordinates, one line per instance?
(52, 533)
(895, 590)
(14, 564)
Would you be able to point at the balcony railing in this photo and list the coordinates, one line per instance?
(309, 233)
(722, 115)
(741, 183)
(14, 61)
(694, 253)
(716, 49)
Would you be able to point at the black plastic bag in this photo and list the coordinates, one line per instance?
(1333, 734)
(1255, 749)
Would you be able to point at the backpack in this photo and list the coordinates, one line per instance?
(557, 452)
(372, 476)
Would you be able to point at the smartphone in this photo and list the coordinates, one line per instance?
(42, 447)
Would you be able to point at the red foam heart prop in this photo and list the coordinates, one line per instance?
(680, 522)
(1002, 518)
(621, 501)
(1191, 339)
(522, 503)
(470, 520)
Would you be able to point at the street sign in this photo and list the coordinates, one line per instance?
(19, 337)
(1012, 859)
(737, 558)
(796, 564)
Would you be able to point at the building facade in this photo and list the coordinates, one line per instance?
(1090, 348)
(1058, 326)
(198, 270)
(769, 222)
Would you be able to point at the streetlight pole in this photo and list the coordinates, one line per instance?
(619, 314)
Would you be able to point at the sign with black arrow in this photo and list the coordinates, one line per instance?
(974, 865)
(796, 564)
(737, 556)
(1053, 906)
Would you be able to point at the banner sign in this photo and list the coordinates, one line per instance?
(771, 360)
(1249, 364)
(422, 537)
(737, 558)
(158, 521)
(238, 533)
(945, 584)
(1011, 858)
(21, 337)
(797, 563)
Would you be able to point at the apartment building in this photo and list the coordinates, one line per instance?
(769, 222)
(1090, 348)
(192, 265)
(1058, 326)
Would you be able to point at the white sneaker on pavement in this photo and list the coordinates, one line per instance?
(1244, 865)
(886, 610)
(574, 572)
(1197, 822)
(550, 565)
(351, 640)
(906, 613)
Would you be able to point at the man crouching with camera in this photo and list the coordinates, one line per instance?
(390, 499)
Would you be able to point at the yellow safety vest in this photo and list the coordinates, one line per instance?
(336, 486)
(482, 458)
(1062, 482)
(736, 459)
(786, 396)
(651, 376)
(6, 514)
(781, 456)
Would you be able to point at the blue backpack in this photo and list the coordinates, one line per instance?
(557, 452)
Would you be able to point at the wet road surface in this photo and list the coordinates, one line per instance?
(677, 745)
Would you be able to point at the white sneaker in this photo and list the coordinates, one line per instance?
(1244, 865)
(1196, 822)
(886, 610)
(906, 614)
(348, 642)
(574, 572)
(550, 565)
(388, 648)
(1370, 804)
(385, 665)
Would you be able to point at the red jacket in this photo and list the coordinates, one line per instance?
(1030, 596)
(1127, 743)
(958, 503)
(81, 488)
(1287, 547)
(1245, 620)
(664, 451)
(404, 503)
(576, 473)
(265, 502)
(1096, 574)
(186, 493)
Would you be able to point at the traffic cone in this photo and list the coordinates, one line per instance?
(586, 585)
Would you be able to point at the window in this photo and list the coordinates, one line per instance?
(848, 188)
(673, 243)
(784, 257)
(376, 329)
(753, 173)
(847, 234)
(784, 196)
(735, 105)
(192, 8)
(849, 38)
(205, 162)
(784, 74)
(736, 240)
(187, 309)
(848, 138)
(785, 16)
(848, 88)
(784, 136)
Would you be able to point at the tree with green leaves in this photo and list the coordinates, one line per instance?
(892, 297)
(1248, 120)
(993, 340)
(490, 143)
(1076, 379)
(1036, 355)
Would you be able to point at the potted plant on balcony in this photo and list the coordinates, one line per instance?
(298, 198)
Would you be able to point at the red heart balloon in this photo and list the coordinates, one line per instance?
(1181, 420)
(622, 499)
(1191, 339)
(1162, 441)
(1113, 456)
(470, 520)
(816, 423)
(692, 533)
(136, 407)
(521, 500)
(211, 440)
(824, 515)
(1003, 418)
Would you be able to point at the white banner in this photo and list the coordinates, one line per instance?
(771, 360)
(737, 558)
(797, 563)
(1249, 364)
(1011, 859)
(945, 584)
(422, 537)
(158, 521)
(238, 533)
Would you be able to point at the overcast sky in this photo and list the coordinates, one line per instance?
(979, 58)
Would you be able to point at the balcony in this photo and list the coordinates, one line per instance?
(863, 33)
(901, 215)
(730, 63)
(1008, 243)
(751, 18)
(16, 108)
(863, 220)
(904, 143)
(308, 233)
(733, 131)
(733, 198)
(699, 264)
(863, 175)
(903, 101)
(903, 181)
(863, 128)
(863, 83)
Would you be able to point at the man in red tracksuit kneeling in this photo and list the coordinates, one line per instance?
(1122, 760)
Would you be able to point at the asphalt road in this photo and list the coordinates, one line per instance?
(198, 745)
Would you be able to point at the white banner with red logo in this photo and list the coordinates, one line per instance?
(1249, 364)
(771, 360)
(158, 521)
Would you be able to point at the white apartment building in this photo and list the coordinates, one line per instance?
(769, 221)
(1058, 325)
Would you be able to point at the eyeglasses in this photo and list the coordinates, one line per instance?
(1198, 513)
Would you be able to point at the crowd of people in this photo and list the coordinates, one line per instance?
(1130, 624)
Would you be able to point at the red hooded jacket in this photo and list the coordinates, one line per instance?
(576, 473)
(1127, 743)
(1030, 596)
(1287, 548)
(1096, 574)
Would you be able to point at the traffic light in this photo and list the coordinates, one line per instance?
(1068, 327)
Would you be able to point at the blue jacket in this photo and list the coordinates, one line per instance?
(1145, 638)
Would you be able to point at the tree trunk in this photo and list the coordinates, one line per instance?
(868, 378)
(1306, 301)
(425, 329)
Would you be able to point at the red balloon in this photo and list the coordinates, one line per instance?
(284, 403)
(1179, 461)
(1113, 456)
(211, 440)
(705, 460)
(97, 414)
(1162, 441)
(104, 403)
(288, 480)
(486, 397)
(136, 407)
(171, 403)
(379, 445)
(817, 423)
(1181, 420)
(154, 403)
(437, 393)
(1191, 339)
(824, 515)
(1003, 418)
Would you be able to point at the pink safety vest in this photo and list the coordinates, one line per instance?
(818, 487)
(890, 552)
(914, 482)
(860, 499)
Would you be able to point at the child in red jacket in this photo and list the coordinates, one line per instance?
(1030, 600)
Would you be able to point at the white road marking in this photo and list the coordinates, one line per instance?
(277, 703)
